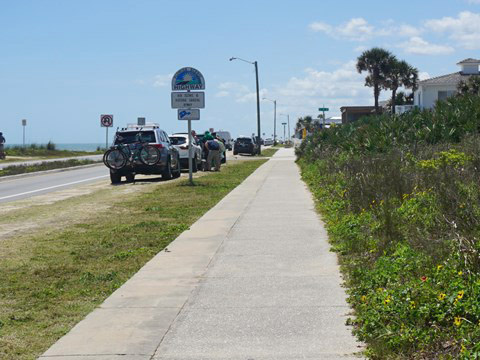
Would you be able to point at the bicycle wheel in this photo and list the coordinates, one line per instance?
(115, 159)
(149, 155)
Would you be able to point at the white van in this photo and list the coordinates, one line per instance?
(225, 135)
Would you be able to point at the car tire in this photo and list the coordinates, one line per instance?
(178, 171)
(115, 178)
(195, 164)
(167, 172)
(130, 177)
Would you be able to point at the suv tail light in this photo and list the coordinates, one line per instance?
(184, 147)
(159, 146)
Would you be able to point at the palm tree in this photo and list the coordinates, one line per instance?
(375, 61)
(400, 73)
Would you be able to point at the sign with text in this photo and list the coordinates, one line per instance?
(188, 78)
(188, 114)
(323, 109)
(188, 100)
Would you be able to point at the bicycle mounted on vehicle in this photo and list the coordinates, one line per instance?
(141, 150)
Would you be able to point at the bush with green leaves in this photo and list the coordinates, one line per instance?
(402, 206)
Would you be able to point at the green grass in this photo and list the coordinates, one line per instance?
(22, 169)
(268, 152)
(50, 281)
(44, 151)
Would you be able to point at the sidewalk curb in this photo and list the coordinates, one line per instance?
(45, 172)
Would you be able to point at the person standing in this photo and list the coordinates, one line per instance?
(222, 149)
(213, 148)
(2, 142)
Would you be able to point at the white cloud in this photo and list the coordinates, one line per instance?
(419, 46)
(238, 92)
(222, 93)
(355, 29)
(464, 29)
(423, 75)
(162, 80)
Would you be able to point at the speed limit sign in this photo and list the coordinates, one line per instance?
(106, 120)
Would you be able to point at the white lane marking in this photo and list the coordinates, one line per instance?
(51, 187)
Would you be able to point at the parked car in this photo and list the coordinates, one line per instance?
(134, 137)
(268, 142)
(226, 137)
(180, 142)
(245, 145)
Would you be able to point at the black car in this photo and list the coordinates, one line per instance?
(245, 145)
(167, 165)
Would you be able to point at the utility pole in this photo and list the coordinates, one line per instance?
(258, 110)
(274, 119)
(288, 118)
(284, 131)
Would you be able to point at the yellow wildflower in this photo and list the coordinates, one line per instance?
(412, 304)
(460, 294)
(460, 273)
(364, 298)
(387, 300)
(439, 267)
(457, 321)
(441, 296)
(463, 349)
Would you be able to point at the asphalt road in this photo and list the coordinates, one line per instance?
(25, 187)
(43, 183)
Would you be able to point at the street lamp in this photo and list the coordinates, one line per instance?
(284, 131)
(258, 99)
(288, 119)
(274, 120)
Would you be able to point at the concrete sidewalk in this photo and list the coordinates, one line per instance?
(252, 279)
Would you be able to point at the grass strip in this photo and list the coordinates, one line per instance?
(45, 165)
(50, 282)
(269, 152)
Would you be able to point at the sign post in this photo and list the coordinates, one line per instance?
(188, 103)
(24, 124)
(106, 121)
(323, 109)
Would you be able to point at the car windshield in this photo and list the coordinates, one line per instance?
(244, 140)
(130, 137)
(178, 140)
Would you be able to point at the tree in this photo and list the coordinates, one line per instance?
(305, 122)
(470, 86)
(400, 73)
(376, 62)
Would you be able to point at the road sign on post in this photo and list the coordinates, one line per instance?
(188, 103)
(188, 114)
(323, 109)
(188, 100)
(141, 121)
(106, 121)
(24, 123)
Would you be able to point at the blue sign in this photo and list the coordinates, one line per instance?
(188, 114)
(188, 79)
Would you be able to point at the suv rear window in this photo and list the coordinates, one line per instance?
(130, 137)
(178, 140)
(244, 140)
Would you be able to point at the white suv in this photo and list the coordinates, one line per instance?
(180, 142)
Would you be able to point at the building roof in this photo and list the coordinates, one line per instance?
(450, 79)
(469, 61)
(357, 109)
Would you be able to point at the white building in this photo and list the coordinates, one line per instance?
(441, 87)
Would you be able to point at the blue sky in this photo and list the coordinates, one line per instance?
(63, 63)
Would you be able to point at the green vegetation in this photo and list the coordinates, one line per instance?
(401, 201)
(48, 282)
(269, 152)
(44, 150)
(46, 165)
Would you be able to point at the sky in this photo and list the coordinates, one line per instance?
(64, 63)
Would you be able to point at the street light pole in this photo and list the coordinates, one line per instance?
(274, 120)
(255, 63)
